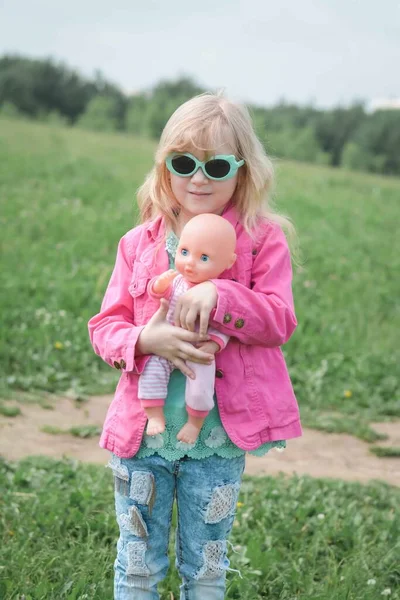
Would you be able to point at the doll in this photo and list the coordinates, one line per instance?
(206, 248)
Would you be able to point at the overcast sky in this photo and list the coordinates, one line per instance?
(325, 52)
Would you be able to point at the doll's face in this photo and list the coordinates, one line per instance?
(204, 252)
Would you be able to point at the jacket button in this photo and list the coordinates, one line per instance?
(116, 364)
(254, 252)
(239, 323)
(122, 363)
(227, 318)
(219, 373)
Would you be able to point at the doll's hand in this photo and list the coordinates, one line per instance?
(210, 347)
(164, 280)
(173, 343)
(197, 302)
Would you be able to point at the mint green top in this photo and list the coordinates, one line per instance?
(212, 438)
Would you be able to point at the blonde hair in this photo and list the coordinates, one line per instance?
(206, 122)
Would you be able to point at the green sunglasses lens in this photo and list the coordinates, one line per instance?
(183, 165)
(217, 168)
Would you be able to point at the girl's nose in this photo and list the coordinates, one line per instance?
(199, 176)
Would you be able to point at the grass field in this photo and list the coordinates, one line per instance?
(67, 197)
(292, 539)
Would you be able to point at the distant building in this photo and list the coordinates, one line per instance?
(384, 104)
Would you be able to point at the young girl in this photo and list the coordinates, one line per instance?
(209, 160)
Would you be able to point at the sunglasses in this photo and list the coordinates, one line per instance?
(219, 167)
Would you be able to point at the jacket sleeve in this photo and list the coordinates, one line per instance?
(111, 331)
(264, 314)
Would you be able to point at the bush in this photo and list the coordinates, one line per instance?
(136, 114)
(100, 115)
(354, 157)
(9, 110)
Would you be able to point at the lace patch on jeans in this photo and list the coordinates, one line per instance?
(222, 503)
(213, 556)
(136, 564)
(133, 522)
(143, 489)
(121, 475)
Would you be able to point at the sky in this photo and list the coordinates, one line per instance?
(320, 52)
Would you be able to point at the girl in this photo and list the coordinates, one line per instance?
(209, 160)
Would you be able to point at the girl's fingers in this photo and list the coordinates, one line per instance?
(204, 318)
(189, 336)
(182, 318)
(189, 352)
(190, 320)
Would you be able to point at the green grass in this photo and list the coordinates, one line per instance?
(384, 451)
(68, 196)
(293, 538)
(83, 431)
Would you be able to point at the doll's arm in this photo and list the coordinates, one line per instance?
(161, 286)
(218, 341)
(210, 347)
(221, 339)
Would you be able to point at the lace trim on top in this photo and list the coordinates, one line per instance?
(171, 244)
(212, 438)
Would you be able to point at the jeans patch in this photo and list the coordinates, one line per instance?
(222, 503)
(136, 564)
(213, 556)
(134, 522)
(118, 468)
(143, 489)
(121, 475)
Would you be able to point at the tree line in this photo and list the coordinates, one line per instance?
(51, 91)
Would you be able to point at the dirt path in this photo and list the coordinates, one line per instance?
(317, 453)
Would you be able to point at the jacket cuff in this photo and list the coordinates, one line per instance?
(128, 360)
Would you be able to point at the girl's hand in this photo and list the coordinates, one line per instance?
(197, 302)
(173, 343)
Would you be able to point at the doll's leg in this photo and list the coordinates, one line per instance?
(155, 418)
(207, 492)
(199, 400)
(144, 493)
(153, 389)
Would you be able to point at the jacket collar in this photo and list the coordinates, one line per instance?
(156, 228)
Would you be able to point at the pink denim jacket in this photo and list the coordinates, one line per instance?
(255, 308)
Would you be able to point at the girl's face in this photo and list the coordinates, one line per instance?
(197, 194)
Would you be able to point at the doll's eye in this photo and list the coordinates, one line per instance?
(204, 258)
(184, 252)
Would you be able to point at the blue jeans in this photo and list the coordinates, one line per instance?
(206, 492)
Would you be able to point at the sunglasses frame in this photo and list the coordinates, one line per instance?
(230, 158)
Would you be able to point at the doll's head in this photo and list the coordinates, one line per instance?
(206, 248)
